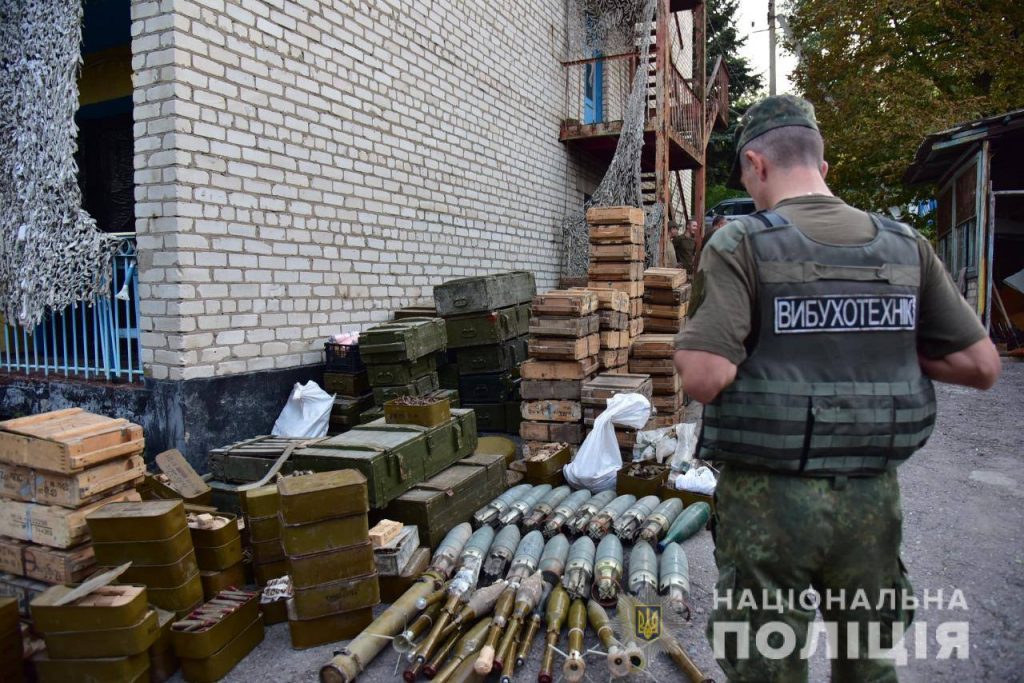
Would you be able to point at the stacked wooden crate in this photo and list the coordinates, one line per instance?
(345, 376)
(486, 319)
(652, 354)
(154, 537)
(325, 534)
(617, 258)
(563, 348)
(600, 389)
(666, 300)
(56, 468)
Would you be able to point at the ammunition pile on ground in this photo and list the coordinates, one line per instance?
(218, 546)
(666, 300)
(596, 393)
(563, 349)
(401, 357)
(486, 320)
(617, 264)
(55, 468)
(154, 537)
(653, 354)
(216, 636)
(479, 607)
(325, 534)
(345, 376)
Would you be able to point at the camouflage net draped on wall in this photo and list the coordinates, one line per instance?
(51, 253)
(608, 27)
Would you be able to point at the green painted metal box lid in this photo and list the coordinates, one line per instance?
(402, 340)
(487, 328)
(484, 293)
(324, 495)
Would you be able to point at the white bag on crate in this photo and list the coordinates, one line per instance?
(307, 412)
(598, 460)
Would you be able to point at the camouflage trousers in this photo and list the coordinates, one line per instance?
(777, 533)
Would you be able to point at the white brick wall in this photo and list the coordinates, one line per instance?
(307, 166)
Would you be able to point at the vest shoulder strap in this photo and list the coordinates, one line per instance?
(770, 219)
(728, 237)
(894, 226)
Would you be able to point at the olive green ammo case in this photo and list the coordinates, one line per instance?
(421, 386)
(484, 293)
(401, 373)
(489, 327)
(392, 461)
(447, 442)
(500, 357)
(490, 387)
(402, 340)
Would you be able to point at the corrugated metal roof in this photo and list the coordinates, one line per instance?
(941, 150)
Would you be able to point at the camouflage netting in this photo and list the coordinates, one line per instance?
(610, 27)
(51, 253)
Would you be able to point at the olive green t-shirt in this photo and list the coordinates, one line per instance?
(725, 291)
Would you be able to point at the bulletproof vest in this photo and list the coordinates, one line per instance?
(831, 384)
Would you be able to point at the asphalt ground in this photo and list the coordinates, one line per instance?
(963, 502)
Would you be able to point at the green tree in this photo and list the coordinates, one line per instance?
(744, 86)
(882, 74)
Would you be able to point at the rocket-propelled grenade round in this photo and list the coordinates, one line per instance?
(545, 507)
(626, 526)
(675, 577)
(579, 569)
(522, 507)
(642, 581)
(618, 665)
(578, 524)
(564, 511)
(489, 514)
(602, 522)
(467, 646)
(554, 617)
(658, 522)
(608, 570)
(574, 667)
(500, 554)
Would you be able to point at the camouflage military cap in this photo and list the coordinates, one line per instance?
(768, 114)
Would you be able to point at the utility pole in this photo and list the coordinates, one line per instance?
(771, 47)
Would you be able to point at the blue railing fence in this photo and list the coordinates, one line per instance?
(88, 340)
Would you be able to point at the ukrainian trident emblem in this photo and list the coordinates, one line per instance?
(647, 620)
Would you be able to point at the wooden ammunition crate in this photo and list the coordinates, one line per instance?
(631, 288)
(558, 348)
(664, 278)
(612, 215)
(559, 369)
(653, 346)
(565, 302)
(552, 411)
(67, 440)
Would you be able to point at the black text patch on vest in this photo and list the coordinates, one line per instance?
(845, 313)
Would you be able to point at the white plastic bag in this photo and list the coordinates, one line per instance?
(598, 459)
(306, 414)
(655, 444)
(697, 480)
(686, 446)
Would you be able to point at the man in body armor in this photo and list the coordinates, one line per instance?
(815, 332)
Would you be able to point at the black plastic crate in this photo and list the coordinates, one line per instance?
(343, 357)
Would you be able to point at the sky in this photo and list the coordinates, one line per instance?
(752, 21)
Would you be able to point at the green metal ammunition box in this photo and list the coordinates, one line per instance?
(163, 663)
(501, 357)
(449, 498)
(221, 557)
(492, 387)
(488, 328)
(161, 576)
(262, 529)
(445, 442)
(216, 581)
(306, 539)
(513, 416)
(490, 417)
(147, 553)
(325, 495)
(75, 617)
(546, 462)
(92, 670)
(214, 538)
(391, 461)
(330, 598)
(206, 642)
(117, 642)
(448, 376)
(393, 587)
(484, 293)
(268, 551)
(402, 340)
(451, 394)
(375, 413)
(386, 374)
(178, 599)
(345, 411)
(261, 502)
(415, 312)
(423, 385)
(346, 384)
(250, 460)
(148, 520)
(217, 665)
(275, 612)
(501, 445)
(264, 572)
(331, 565)
(307, 633)
(466, 418)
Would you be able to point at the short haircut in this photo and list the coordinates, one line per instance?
(719, 220)
(788, 147)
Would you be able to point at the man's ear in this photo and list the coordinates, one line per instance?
(757, 162)
(824, 170)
